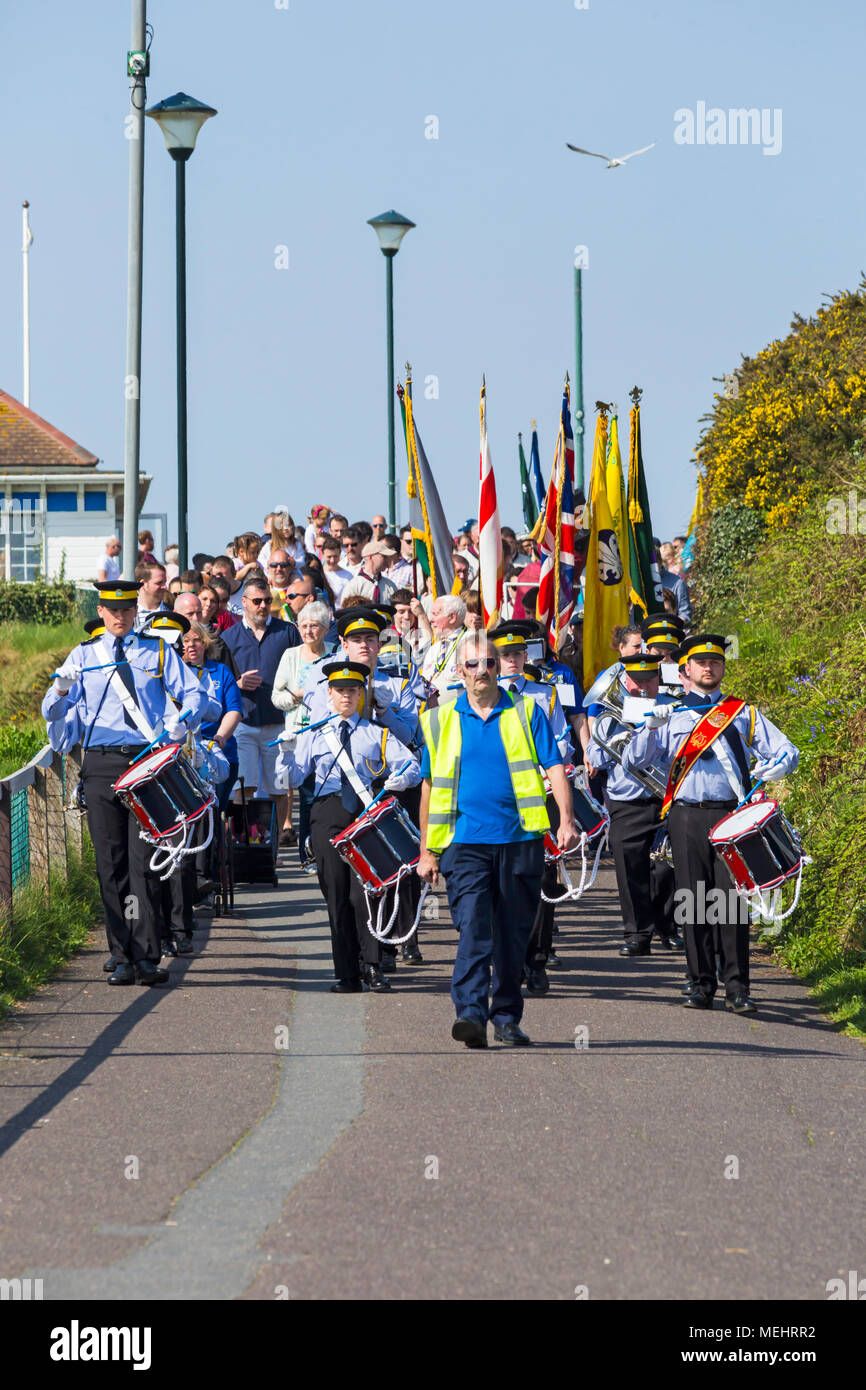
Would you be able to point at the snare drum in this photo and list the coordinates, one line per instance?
(164, 792)
(592, 820)
(380, 846)
(759, 845)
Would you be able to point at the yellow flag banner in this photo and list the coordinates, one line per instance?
(607, 580)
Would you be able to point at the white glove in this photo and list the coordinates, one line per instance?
(659, 717)
(175, 729)
(397, 782)
(770, 771)
(66, 676)
(198, 757)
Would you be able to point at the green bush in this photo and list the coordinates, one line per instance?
(20, 740)
(37, 602)
(727, 547)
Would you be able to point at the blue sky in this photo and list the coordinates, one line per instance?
(697, 253)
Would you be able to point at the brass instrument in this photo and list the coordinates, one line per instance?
(651, 778)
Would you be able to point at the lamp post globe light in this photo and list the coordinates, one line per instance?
(390, 228)
(180, 118)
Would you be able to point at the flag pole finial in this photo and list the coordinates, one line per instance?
(636, 392)
(520, 436)
(533, 424)
(408, 371)
(603, 408)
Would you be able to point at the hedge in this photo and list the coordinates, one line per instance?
(38, 602)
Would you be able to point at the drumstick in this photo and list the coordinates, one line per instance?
(751, 792)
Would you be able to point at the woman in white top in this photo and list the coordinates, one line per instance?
(284, 536)
(295, 668)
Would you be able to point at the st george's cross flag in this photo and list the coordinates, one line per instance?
(489, 534)
(559, 572)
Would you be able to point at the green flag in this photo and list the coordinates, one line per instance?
(646, 583)
(530, 511)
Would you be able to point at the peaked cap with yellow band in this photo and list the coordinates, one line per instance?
(512, 634)
(662, 622)
(118, 593)
(358, 620)
(346, 673)
(704, 644)
(642, 664)
(171, 626)
(94, 628)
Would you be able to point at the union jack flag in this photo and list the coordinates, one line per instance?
(558, 569)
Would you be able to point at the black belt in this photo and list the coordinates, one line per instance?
(707, 805)
(128, 750)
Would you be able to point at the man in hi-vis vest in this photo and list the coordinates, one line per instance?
(483, 819)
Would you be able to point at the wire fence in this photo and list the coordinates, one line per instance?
(38, 829)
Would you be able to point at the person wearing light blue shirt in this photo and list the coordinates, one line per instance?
(114, 695)
(346, 752)
(718, 779)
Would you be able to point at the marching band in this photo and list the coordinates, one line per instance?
(487, 768)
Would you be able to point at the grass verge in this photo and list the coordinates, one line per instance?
(43, 934)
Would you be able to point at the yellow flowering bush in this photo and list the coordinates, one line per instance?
(798, 418)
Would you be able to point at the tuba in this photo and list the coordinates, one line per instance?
(618, 735)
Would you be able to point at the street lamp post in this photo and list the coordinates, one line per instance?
(390, 228)
(180, 118)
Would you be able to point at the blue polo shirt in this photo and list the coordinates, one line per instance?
(486, 809)
(263, 656)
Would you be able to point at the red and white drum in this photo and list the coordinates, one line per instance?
(381, 846)
(164, 792)
(592, 820)
(759, 845)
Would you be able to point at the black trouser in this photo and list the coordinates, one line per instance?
(130, 892)
(541, 937)
(696, 862)
(410, 886)
(646, 886)
(351, 940)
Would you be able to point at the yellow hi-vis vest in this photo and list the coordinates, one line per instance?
(442, 734)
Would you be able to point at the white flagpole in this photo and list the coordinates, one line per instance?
(27, 237)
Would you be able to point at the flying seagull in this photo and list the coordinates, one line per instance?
(611, 163)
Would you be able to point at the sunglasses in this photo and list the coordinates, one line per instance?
(489, 662)
(278, 565)
(256, 600)
(299, 595)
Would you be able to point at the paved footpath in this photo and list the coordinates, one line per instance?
(245, 1134)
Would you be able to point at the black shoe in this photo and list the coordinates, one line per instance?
(412, 955)
(537, 982)
(634, 948)
(110, 964)
(147, 973)
(206, 886)
(511, 1035)
(388, 963)
(347, 987)
(553, 961)
(741, 1004)
(374, 979)
(670, 941)
(698, 1000)
(690, 988)
(185, 946)
(470, 1032)
(168, 946)
(123, 974)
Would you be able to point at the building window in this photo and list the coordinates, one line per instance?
(24, 526)
(95, 501)
(61, 501)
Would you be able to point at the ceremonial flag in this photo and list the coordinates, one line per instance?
(432, 540)
(535, 469)
(607, 588)
(558, 569)
(530, 510)
(489, 534)
(699, 511)
(645, 577)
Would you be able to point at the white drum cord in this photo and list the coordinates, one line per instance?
(380, 932)
(571, 893)
(172, 854)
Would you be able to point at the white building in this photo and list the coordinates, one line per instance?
(57, 508)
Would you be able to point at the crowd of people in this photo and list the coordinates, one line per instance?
(326, 672)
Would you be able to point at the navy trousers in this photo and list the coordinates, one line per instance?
(493, 894)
